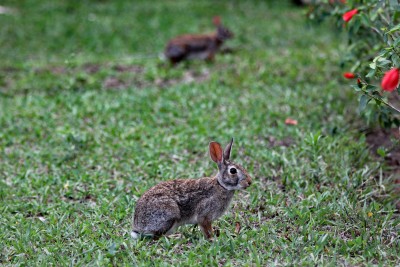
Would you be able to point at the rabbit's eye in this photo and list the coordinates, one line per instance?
(233, 170)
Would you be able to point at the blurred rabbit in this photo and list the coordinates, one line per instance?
(170, 204)
(197, 46)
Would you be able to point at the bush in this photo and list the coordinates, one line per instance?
(372, 58)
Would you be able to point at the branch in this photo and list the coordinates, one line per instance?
(381, 101)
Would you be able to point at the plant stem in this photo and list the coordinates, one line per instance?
(382, 101)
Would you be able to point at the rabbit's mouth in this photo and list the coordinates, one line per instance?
(245, 184)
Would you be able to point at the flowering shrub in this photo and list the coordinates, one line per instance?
(373, 52)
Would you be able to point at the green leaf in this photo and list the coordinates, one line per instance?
(373, 15)
(365, 20)
(395, 28)
(381, 152)
(372, 65)
(364, 99)
(370, 87)
(371, 73)
(396, 59)
(394, 4)
(383, 62)
(396, 42)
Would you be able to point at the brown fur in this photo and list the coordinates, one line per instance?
(190, 201)
(200, 46)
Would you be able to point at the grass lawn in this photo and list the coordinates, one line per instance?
(91, 117)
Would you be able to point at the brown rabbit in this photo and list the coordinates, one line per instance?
(190, 201)
(197, 46)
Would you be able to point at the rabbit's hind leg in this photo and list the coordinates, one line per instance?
(164, 217)
(210, 57)
(166, 228)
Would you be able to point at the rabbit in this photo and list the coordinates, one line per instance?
(164, 207)
(197, 46)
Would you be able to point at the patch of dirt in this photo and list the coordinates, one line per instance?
(114, 83)
(394, 100)
(88, 68)
(9, 69)
(88, 199)
(390, 141)
(285, 142)
(384, 138)
(110, 76)
(188, 77)
(124, 76)
(6, 84)
(33, 215)
(91, 68)
(56, 70)
(128, 68)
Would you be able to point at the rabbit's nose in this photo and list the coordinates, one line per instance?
(248, 180)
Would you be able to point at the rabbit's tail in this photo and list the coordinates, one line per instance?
(135, 235)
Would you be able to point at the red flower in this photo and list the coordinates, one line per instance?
(391, 80)
(349, 14)
(349, 75)
(217, 20)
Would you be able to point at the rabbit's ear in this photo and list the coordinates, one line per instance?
(216, 152)
(217, 20)
(227, 151)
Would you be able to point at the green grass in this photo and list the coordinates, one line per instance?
(80, 143)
